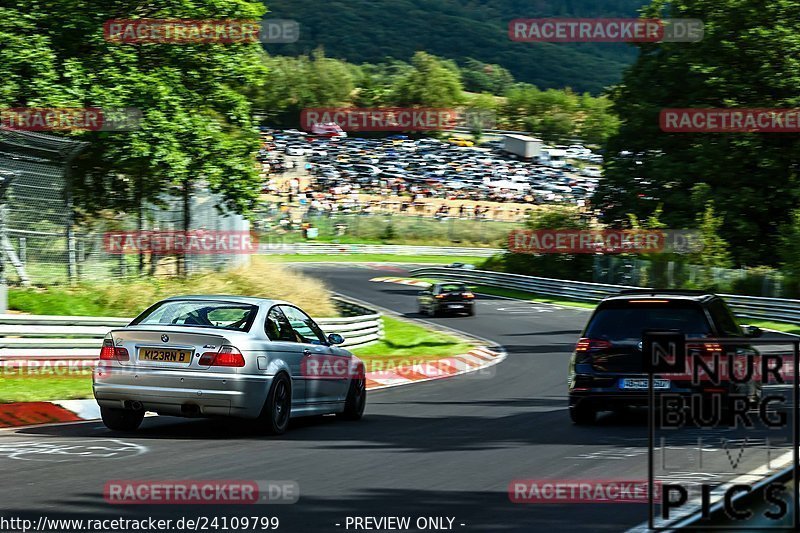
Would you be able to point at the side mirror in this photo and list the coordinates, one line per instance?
(335, 338)
(752, 331)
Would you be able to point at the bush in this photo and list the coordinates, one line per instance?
(755, 280)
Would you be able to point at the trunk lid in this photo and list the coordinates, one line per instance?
(167, 347)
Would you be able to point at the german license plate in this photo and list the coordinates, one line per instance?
(165, 355)
(641, 384)
(456, 306)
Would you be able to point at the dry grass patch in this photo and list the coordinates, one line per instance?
(129, 298)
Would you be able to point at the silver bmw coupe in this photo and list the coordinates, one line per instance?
(232, 356)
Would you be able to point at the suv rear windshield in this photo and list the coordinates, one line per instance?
(199, 313)
(627, 323)
(452, 287)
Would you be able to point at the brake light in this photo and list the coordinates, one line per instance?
(227, 356)
(584, 345)
(109, 353)
(468, 295)
(708, 347)
(439, 296)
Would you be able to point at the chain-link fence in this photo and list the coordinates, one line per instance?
(41, 245)
(35, 235)
(664, 273)
(276, 224)
(98, 259)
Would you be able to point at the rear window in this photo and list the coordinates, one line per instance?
(620, 324)
(453, 287)
(199, 313)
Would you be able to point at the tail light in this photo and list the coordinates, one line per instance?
(439, 296)
(110, 353)
(584, 345)
(709, 347)
(226, 356)
(468, 295)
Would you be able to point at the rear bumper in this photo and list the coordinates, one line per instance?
(605, 390)
(181, 393)
(455, 306)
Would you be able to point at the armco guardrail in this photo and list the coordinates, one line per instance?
(393, 249)
(45, 337)
(782, 310)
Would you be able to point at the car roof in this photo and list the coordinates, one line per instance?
(253, 300)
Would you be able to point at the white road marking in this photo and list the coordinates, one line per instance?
(60, 450)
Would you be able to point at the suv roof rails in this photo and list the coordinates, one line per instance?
(688, 292)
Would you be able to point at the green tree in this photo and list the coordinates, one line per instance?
(480, 77)
(747, 59)
(196, 121)
(789, 251)
(556, 265)
(715, 250)
(431, 83)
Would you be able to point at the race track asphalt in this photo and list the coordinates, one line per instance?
(447, 448)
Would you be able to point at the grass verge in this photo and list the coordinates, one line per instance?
(408, 343)
(129, 298)
(767, 324)
(45, 388)
(405, 343)
(368, 258)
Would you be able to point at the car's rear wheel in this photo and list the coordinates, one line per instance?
(356, 400)
(471, 311)
(274, 417)
(583, 413)
(121, 419)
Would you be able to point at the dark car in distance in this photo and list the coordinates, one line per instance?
(447, 297)
(606, 370)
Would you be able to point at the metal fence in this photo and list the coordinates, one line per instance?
(41, 244)
(94, 262)
(35, 236)
(677, 274)
(778, 309)
(324, 248)
(287, 222)
(79, 338)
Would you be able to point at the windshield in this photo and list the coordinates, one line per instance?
(627, 324)
(194, 313)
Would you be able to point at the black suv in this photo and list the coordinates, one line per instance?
(606, 368)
